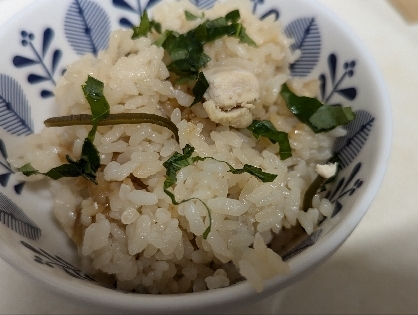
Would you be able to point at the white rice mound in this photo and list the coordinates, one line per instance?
(128, 232)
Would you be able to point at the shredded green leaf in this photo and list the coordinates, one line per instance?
(233, 16)
(163, 38)
(174, 164)
(191, 17)
(265, 128)
(155, 26)
(93, 92)
(145, 26)
(318, 116)
(199, 88)
(86, 166)
(254, 171)
(28, 170)
(178, 161)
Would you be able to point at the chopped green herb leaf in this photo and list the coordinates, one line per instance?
(328, 117)
(255, 171)
(207, 231)
(78, 168)
(93, 91)
(174, 164)
(28, 170)
(245, 39)
(318, 116)
(233, 16)
(89, 161)
(86, 166)
(64, 170)
(191, 17)
(177, 161)
(155, 26)
(163, 38)
(265, 128)
(199, 88)
(145, 26)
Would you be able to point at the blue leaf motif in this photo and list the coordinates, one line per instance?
(35, 78)
(124, 22)
(48, 37)
(43, 257)
(15, 114)
(336, 189)
(256, 3)
(47, 94)
(307, 37)
(348, 93)
(14, 217)
(311, 240)
(151, 3)
(353, 174)
(87, 27)
(349, 146)
(322, 85)
(269, 13)
(56, 58)
(123, 5)
(5, 166)
(3, 150)
(332, 66)
(337, 208)
(19, 187)
(45, 73)
(4, 179)
(136, 8)
(343, 189)
(7, 170)
(20, 62)
(203, 4)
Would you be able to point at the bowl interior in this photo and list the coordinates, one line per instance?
(35, 53)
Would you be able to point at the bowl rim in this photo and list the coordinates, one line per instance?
(118, 300)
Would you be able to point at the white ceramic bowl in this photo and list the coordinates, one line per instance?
(35, 49)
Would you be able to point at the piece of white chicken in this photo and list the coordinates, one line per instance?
(230, 98)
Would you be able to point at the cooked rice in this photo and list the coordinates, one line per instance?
(127, 231)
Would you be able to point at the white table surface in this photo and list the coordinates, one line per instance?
(376, 269)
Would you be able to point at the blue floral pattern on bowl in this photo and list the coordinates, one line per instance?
(37, 59)
(42, 257)
(86, 28)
